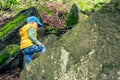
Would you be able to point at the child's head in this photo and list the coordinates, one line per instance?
(34, 20)
(34, 23)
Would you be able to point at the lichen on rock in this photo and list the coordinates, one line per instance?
(90, 51)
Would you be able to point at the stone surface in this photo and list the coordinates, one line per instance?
(90, 51)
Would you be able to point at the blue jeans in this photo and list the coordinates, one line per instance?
(29, 51)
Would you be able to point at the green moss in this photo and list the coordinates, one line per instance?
(108, 65)
(4, 57)
(9, 51)
(5, 29)
(51, 30)
(12, 49)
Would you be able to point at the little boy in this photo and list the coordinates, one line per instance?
(29, 43)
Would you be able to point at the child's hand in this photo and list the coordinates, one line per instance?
(40, 44)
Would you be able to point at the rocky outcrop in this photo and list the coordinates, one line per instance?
(90, 51)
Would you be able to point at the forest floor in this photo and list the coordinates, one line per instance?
(6, 16)
(12, 74)
(4, 20)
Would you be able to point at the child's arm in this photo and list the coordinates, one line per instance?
(31, 34)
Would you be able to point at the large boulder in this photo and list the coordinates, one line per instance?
(90, 51)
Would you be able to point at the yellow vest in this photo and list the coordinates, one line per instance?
(25, 40)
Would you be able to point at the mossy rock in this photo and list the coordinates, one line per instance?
(8, 55)
(11, 25)
(90, 51)
(50, 30)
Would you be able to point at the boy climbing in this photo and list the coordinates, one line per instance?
(29, 43)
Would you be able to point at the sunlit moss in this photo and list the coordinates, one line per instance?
(9, 26)
(12, 49)
(3, 57)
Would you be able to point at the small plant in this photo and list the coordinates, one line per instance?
(5, 29)
(50, 30)
(73, 16)
(53, 14)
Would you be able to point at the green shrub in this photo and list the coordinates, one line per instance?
(50, 30)
(7, 4)
(73, 16)
(9, 26)
(90, 5)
